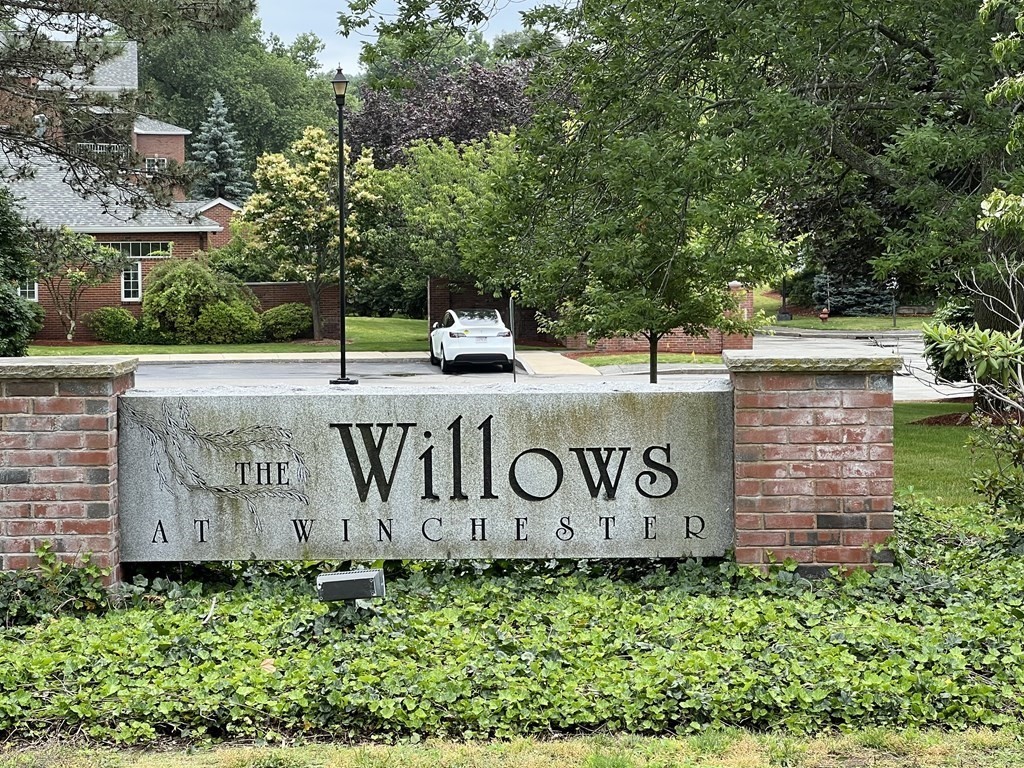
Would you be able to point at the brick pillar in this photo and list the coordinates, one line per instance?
(813, 458)
(58, 457)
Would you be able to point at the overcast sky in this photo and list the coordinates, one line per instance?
(288, 18)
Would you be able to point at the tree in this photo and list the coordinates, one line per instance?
(415, 219)
(394, 63)
(67, 264)
(273, 91)
(887, 98)
(17, 321)
(53, 49)
(463, 106)
(295, 210)
(631, 210)
(218, 153)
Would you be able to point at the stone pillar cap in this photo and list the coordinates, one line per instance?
(79, 367)
(867, 361)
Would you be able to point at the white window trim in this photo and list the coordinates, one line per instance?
(33, 295)
(156, 163)
(125, 247)
(138, 273)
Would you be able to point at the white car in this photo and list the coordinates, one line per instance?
(471, 336)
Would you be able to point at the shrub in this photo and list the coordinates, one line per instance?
(853, 296)
(287, 322)
(235, 322)
(955, 312)
(19, 322)
(113, 324)
(800, 288)
(51, 589)
(176, 293)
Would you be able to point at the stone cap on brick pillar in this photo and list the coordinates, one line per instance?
(82, 367)
(867, 361)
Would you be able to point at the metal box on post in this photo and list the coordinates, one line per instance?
(350, 585)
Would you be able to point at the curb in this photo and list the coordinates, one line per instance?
(214, 359)
(824, 334)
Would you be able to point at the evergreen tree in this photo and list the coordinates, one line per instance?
(217, 153)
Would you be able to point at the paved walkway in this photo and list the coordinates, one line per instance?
(912, 383)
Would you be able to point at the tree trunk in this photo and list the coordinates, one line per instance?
(313, 289)
(652, 340)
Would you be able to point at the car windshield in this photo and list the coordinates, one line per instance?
(479, 317)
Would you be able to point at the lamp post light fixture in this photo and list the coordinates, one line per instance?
(340, 83)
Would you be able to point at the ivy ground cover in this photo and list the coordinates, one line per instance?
(631, 648)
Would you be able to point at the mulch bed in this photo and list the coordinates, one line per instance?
(945, 420)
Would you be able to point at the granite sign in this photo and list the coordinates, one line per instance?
(634, 471)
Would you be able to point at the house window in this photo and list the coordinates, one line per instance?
(155, 164)
(29, 291)
(131, 282)
(143, 250)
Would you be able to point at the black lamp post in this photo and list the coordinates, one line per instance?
(340, 83)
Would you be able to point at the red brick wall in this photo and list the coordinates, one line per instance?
(276, 294)
(58, 461)
(222, 215)
(814, 466)
(159, 145)
(109, 294)
(442, 296)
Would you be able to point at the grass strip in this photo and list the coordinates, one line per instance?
(642, 358)
(365, 334)
(712, 748)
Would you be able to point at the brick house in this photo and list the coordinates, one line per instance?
(174, 230)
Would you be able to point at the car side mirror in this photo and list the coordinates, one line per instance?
(435, 326)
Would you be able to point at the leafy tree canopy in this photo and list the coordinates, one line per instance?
(294, 211)
(462, 106)
(16, 318)
(272, 91)
(430, 52)
(887, 99)
(67, 263)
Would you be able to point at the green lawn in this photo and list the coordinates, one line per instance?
(876, 323)
(933, 460)
(365, 334)
(714, 748)
(771, 303)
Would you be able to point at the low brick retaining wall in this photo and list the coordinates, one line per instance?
(812, 458)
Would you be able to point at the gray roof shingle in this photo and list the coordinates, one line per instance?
(48, 199)
(120, 72)
(151, 125)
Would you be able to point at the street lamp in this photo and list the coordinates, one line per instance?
(340, 83)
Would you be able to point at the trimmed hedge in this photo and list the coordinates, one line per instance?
(536, 649)
(115, 325)
(221, 322)
(287, 322)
